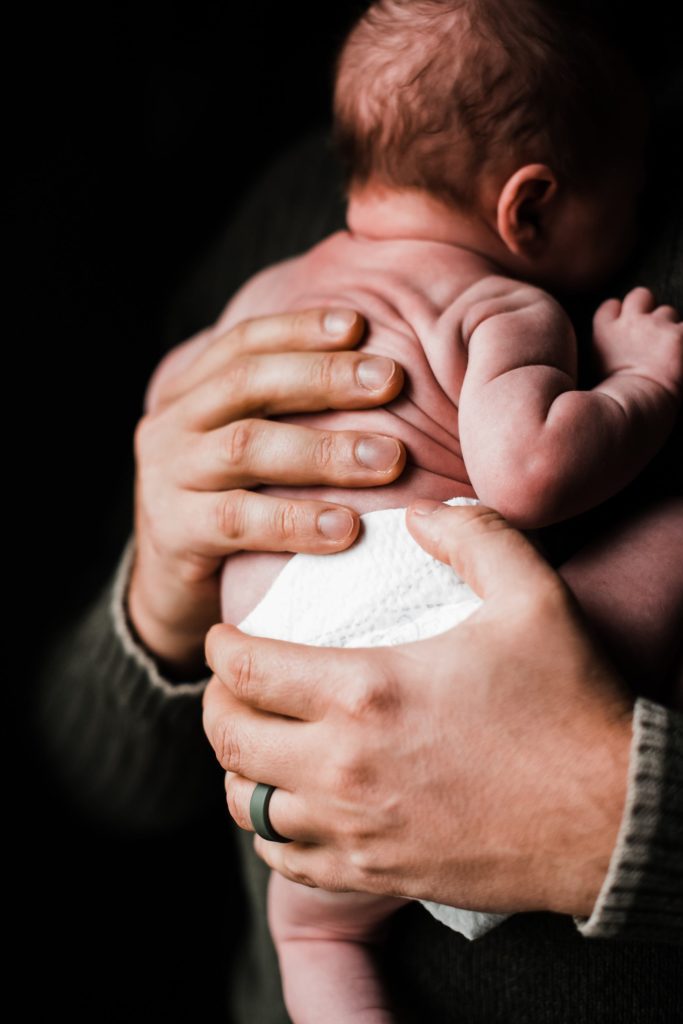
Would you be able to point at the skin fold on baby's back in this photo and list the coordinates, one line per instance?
(413, 295)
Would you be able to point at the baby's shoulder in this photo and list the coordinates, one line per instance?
(505, 291)
(494, 294)
(283, 286)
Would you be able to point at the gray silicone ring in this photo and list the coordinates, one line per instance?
(258, 812)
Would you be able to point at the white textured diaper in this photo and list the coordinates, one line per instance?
(384, 590)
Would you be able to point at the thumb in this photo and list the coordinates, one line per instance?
(489, 554)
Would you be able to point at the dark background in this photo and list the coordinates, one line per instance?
(138, 129)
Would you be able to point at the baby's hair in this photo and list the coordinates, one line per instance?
(431, 92)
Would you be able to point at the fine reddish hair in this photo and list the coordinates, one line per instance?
(430, 93)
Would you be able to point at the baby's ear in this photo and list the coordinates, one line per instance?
(523, 207)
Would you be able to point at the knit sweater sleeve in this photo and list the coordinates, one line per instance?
(642, 894)
(123, 744)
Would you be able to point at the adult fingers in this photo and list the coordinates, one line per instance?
(268, 384)
(240, 520)
(267, 748)
(286, 812)
(307, 328)
(307, 864)
(302, 330)
(297, 680)
(492, 557)
(255, 451)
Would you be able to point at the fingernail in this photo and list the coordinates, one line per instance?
(374, 373)
(378, 452)
(425, 507)
(339, 321)
(335, 524)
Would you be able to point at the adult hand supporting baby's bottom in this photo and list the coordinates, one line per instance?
(483, 768)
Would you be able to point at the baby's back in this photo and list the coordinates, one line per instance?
(413, 296)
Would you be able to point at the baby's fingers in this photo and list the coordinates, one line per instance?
(667, 313)
(639, 300)
(607, 311)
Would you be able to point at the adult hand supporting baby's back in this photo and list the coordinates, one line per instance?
(203, 442)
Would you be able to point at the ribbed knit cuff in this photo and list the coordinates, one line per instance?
(132, 644)
(642, 895)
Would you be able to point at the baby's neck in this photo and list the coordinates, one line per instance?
(380, 213)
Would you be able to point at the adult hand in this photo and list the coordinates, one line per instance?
(199, 447)
(483, 768)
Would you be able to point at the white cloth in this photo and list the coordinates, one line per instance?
(383, 590)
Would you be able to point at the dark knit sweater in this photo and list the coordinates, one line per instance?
(128, 746)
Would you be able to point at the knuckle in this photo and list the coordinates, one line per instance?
(321, 374)
(324, 450)
(286, 521)
(237, 440)
(192, 569)
(302, 877)
(370, 694)
(226, 746)
(363, 860)
(349, 776)
(241, 670)
(230, 514)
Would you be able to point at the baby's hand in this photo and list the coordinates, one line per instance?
(635, 337)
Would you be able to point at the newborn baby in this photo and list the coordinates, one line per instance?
(494, 154)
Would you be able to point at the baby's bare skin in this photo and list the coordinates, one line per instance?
(490, 409)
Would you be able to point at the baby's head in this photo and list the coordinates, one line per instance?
(514, 117)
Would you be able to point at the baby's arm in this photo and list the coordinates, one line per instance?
(537, 449)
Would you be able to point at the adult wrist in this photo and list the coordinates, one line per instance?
(594, 819)
(188, 667)
(178, 669)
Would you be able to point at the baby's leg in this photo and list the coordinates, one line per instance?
(323, 940)
(630, 586)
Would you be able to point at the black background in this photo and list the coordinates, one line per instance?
(133, 132)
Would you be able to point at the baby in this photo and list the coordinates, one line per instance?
(495, 155)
